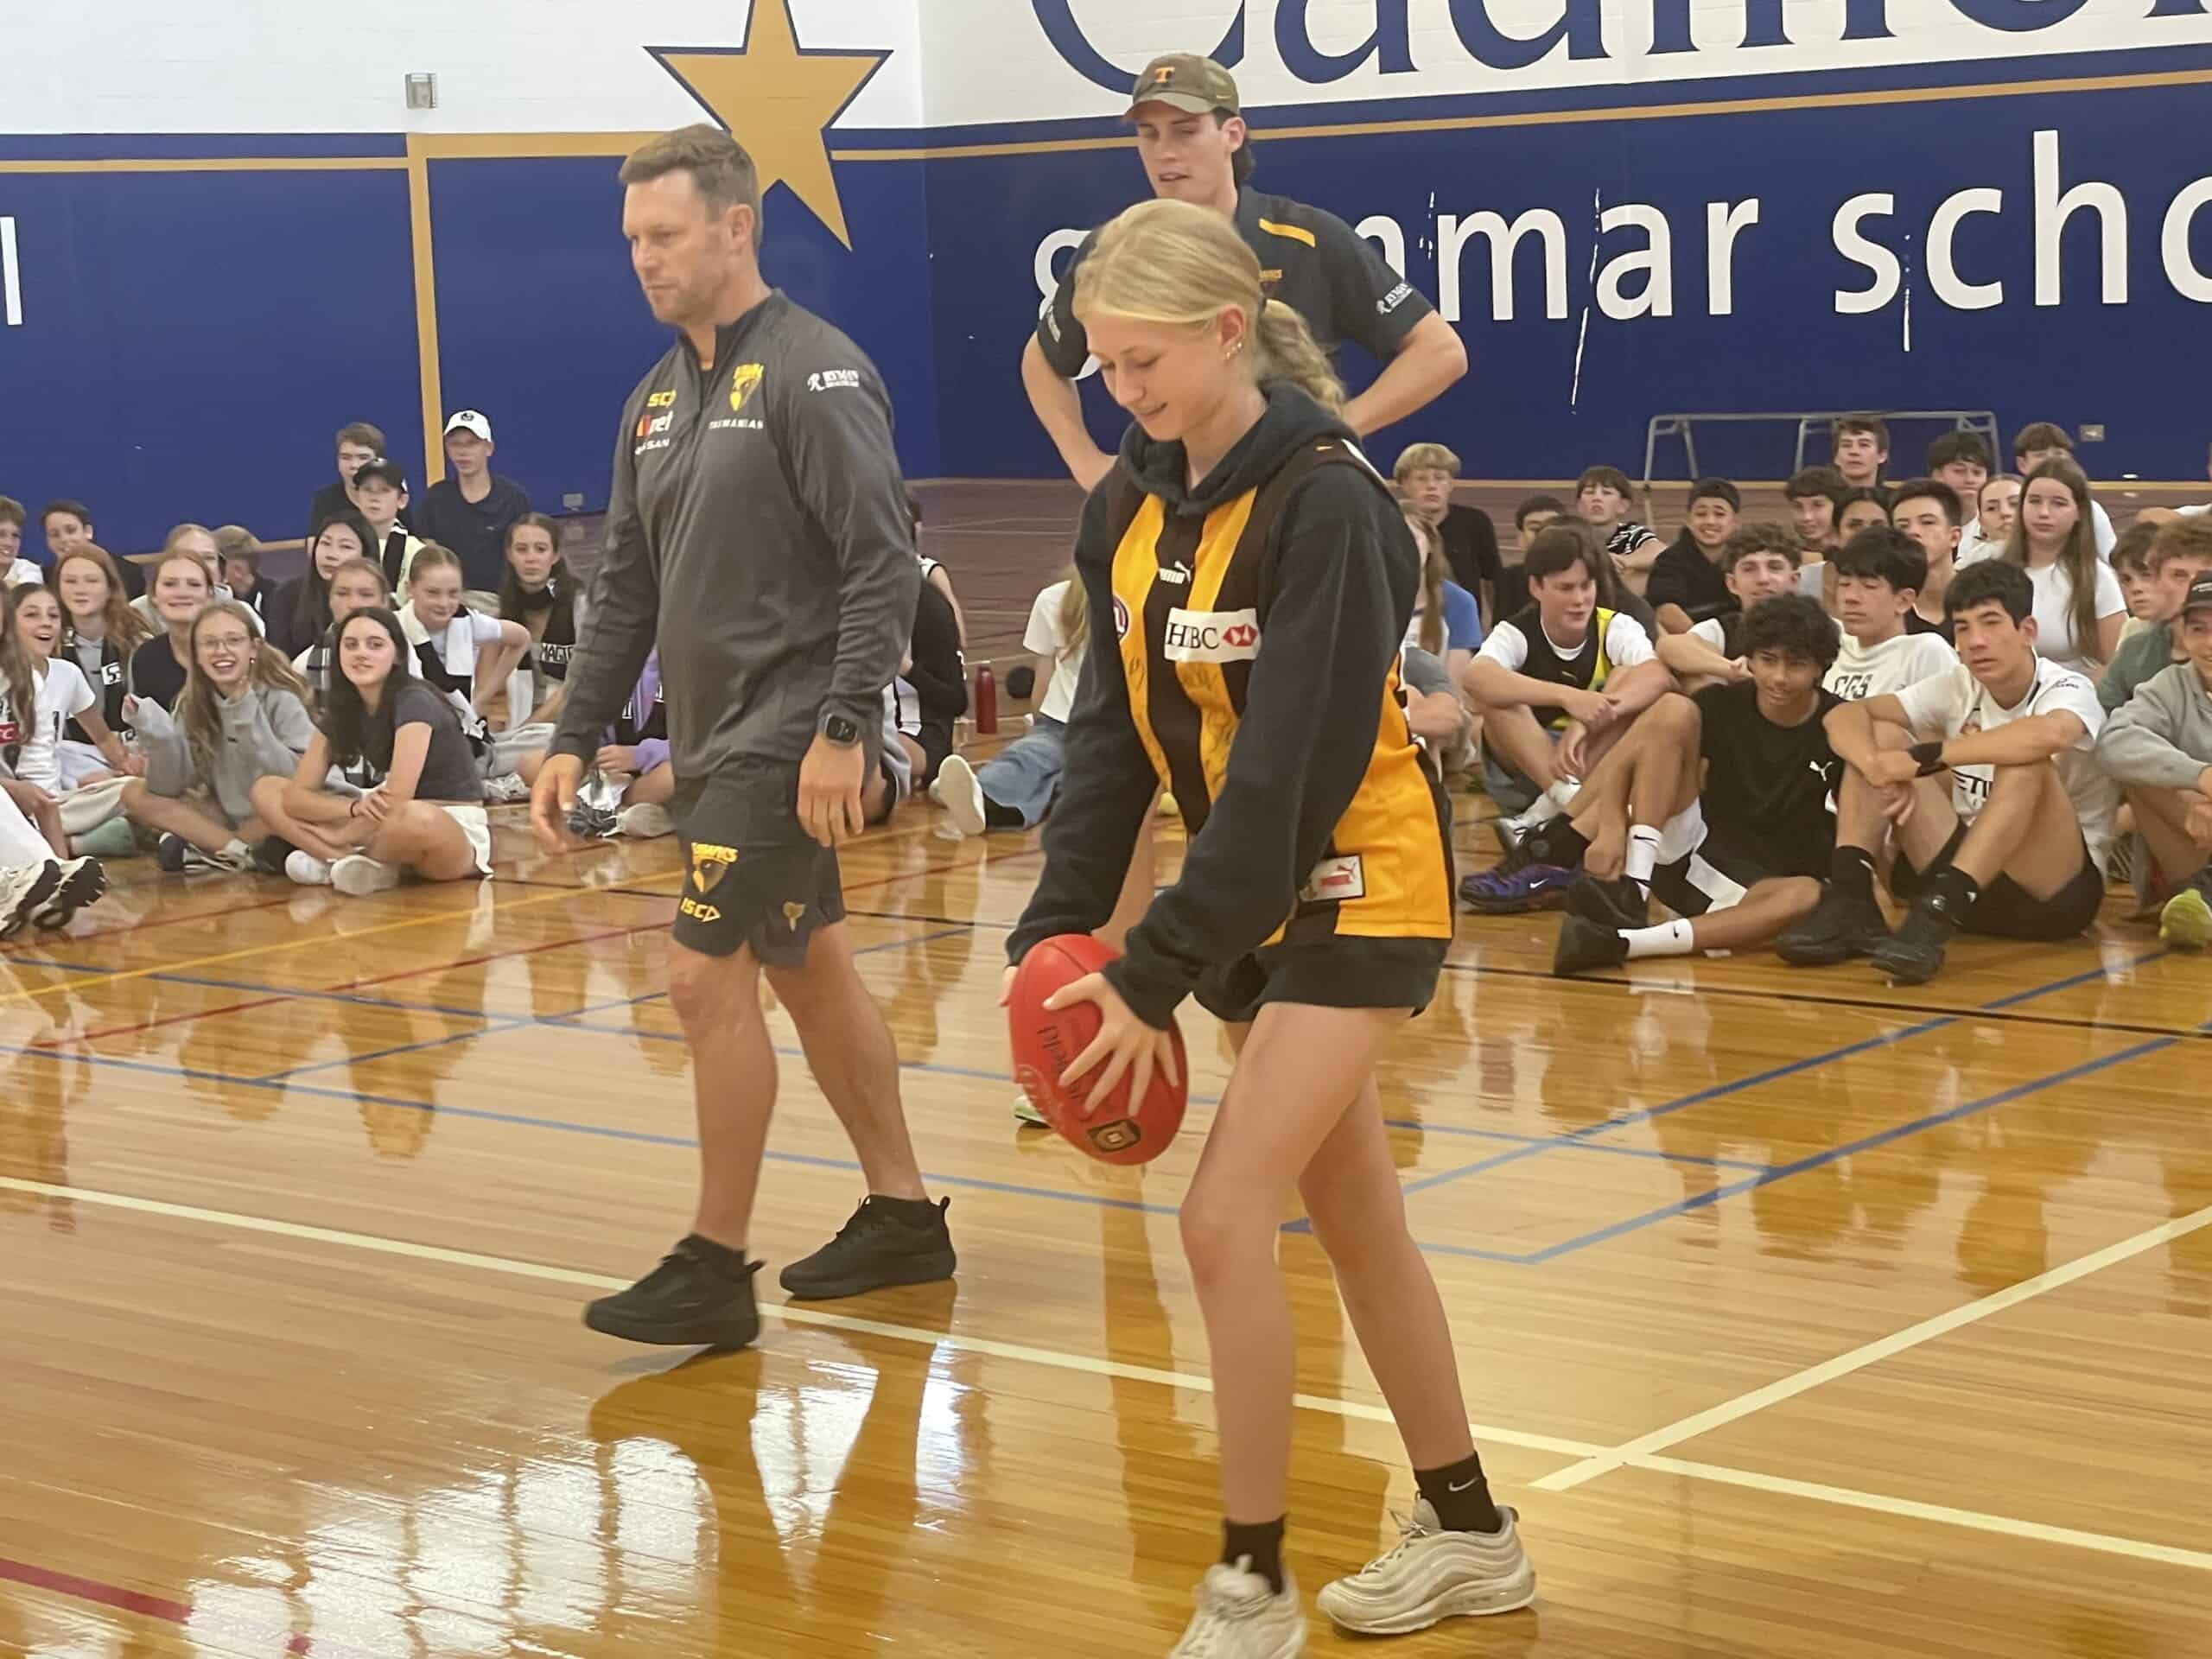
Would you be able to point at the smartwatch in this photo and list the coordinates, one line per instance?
(839, 730)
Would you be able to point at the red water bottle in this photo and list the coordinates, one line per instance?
(987, 700)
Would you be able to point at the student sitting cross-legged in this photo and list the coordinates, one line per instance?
(1724, 799)
(1984, 782)
(2158, 746)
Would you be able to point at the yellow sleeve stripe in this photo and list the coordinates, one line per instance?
(1294, 232)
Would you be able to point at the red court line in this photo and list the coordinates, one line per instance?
(95, 1591)
(155, 1025)
(148, 927)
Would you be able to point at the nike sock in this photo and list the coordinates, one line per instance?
(1257, 1547)
(1852, 872)
(1460, 1495)
(1550, 804)
(1642, 855)
(1668, 939)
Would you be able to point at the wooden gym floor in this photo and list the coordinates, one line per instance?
(1801, 1318)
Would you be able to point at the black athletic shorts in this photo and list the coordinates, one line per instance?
(1347, 973)
(935, 740)
(1714, 877)
(755, 877)
(2006, 911)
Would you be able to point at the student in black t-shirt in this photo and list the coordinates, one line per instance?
(424, 814)
(539, 592)
(180, 591)
(1737, 856)
(359, 443)
(1191, 137)
(932, 690)
(1425, 475)
(1862, 449)
(1812, 494)
(1689, 583)
(471, 509)
(1931, 512)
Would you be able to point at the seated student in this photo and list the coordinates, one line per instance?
(43, 695)
(423, 812)
(1929, 511)
(300, 610)
(1862, 449)
(2078, 604)
(1997, 508)
(1687, 583)
(1556, 676)
(2138, 589)
(380, 496)
(1725, 798)
(471, 509)
(1014, 788)
(69, 524)
(1878, 576)
(1758, 563)
(199, 541)
(359, 443)
(99, 632)
(934, 574)
(239, 550)
(632, 764)
(2158, 748)
(356, 584)
(1813, 493)
(1425, 475)
(1446, 621)
(2040, 443)
(1960, 460)
(1984, 782)
(18, 569)
(932, 690)
(36, 888)
(468, 656)
(539, 592)
(1856, 510)
(241, 719)
(2181, 551)
(1602, 498)
(179, 591)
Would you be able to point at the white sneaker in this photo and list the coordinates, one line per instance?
(506, 791)
(306, 869)
(1239, 1618)
(1432, 1574)
(960, 794)
(646, 821)
(24, 891)
(80, 881)
(1026, 1114)
(358, 874)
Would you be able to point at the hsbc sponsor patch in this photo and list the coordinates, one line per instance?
(1334, 879)
(1211, 636)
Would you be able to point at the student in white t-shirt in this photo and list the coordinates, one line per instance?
(1014, 788)
(56, 692)
(1991, 766)
(1878, 573)
(468, 656)
(2079, 605)
(2040, 443)
(1997, 508)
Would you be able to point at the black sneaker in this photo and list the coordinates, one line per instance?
(687, 1301)
(877, 1248)
(80, 881)
(269, 854)
(168, 853)
(1620, 904)
(1914, 954)
(1583, 944)
(1840, 928)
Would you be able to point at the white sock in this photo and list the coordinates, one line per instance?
(1668, 939)
(1550, 804)
(1642, 855)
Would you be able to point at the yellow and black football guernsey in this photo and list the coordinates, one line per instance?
(1244, 653)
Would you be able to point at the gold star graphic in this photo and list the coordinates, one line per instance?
(779, 100)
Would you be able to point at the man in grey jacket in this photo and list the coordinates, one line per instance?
(758, 527)
(2159, 746)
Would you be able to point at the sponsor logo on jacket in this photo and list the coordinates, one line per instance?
(1211, 636)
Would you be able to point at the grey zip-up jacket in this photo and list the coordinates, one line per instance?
(757, 530)
(2162, 736)
(265, 731)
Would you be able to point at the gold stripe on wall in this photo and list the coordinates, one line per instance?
(216, 164)
(426, 314)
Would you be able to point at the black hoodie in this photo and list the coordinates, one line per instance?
(1335, 587)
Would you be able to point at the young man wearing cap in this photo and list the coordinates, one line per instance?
(359, 443)
(379, 492)
(1191, 138)
(470, 510)
(2159, 747)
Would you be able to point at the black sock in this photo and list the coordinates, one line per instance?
(915, 1212)
(1259, 1547)
(1955, 888)
(1460, 1495)
(722, 1259)
(1852, 872)
(1558, 842)
(1000, 817)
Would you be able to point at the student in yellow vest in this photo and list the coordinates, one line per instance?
(1252, 580)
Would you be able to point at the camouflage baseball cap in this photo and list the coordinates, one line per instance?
(1184, 80)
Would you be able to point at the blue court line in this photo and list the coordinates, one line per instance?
(1881, 1137)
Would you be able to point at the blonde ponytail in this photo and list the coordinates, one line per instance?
(1075, 613)
(1182, 265)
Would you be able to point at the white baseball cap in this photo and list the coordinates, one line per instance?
(469, 421)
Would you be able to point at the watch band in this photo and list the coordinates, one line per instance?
(1929, 757)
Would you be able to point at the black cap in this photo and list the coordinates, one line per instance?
(389, 471)
(2199, 596)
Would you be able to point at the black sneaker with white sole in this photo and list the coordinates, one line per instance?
(24, 891)
(888, 1241)
(81, 883)
(687, 1301)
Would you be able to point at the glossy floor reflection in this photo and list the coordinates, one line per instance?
(1803, 1318)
